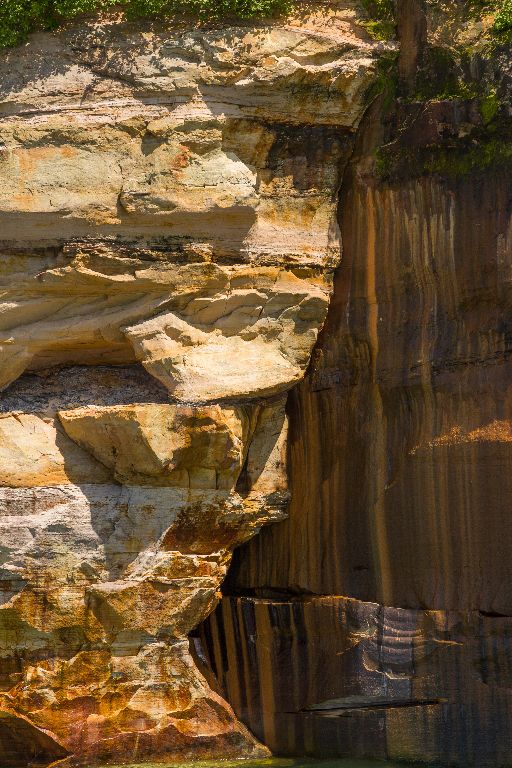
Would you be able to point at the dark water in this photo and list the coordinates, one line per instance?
(275, 762)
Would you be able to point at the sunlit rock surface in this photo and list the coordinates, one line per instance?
(117, 517)
(170, 197)
(168, 224)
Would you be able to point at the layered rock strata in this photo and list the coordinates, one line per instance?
(170, 198)
(168, 206)
(119, 510)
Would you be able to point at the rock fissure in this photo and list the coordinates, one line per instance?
(346, 708)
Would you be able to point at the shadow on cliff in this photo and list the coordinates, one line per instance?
(22, 744)
(38, 64)
(166, 229)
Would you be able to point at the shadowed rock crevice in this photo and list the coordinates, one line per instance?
(22, 744)
(335, 709)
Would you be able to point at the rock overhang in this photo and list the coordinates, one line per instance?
(170, 199)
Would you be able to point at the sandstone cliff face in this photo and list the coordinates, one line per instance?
(168, 213)
(385, 599)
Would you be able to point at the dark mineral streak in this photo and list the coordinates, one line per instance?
(377, 620)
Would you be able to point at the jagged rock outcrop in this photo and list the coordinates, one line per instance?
(170, 198)
(117, 521)
(168, 202)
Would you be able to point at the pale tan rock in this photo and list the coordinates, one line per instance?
(32, 453)
(168, 201)
(115, 544)
(217, 148)
(233, 331)
(163, 444)
(264, 471)
(245, 343)
(164, 607)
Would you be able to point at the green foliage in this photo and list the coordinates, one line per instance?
(19, 17)
(386, 81)
(489, 106)
(458, 160)
(207, 9)
(380, 30)
(475, 9)
(503, 19)
(444, 76)
(492, 153)
(381, 24)
(380, 9)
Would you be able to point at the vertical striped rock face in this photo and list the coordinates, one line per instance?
(168, 201)
(401, 496)
(385, 599)
(339, 677)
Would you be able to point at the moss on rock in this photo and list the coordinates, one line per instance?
(381, 22)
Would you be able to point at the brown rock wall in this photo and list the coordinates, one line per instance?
(400, 433)
(376, 618)
(337, 677)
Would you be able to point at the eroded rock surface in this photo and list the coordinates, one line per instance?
(171, 198)
(117, 520)
(167, 198)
